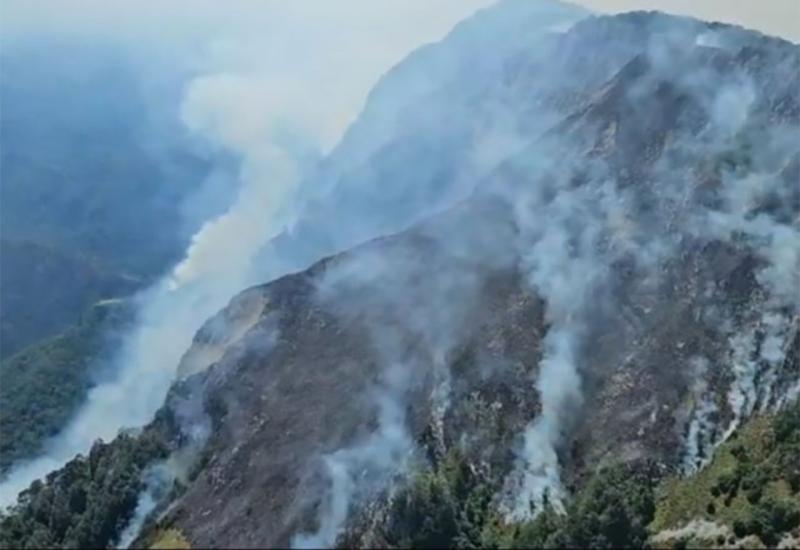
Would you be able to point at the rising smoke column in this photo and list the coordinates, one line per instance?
(568, 264)
(216, 266)
(561, 254)
(415, 303)
(759, 351)
(382, 455)
(701, 428)
(771, 234)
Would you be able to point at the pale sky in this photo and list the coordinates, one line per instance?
(339, 46)
(777, 17)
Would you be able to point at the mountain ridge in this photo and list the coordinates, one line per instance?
(612, 291)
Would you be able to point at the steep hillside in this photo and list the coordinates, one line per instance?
(613, 297)
(43, 385)
(604, 264)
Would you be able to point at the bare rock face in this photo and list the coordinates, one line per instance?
(221, 332)
(626, 277)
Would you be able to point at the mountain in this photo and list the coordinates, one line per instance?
(588, 310)
(443, 110)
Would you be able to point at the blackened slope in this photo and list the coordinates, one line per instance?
(639, 355)
(311, 388)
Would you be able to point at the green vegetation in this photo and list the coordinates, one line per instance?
(450, 506)
(752, 488)
(752, 485)
(442, 508)
(44, 384)
(88, 502)
(613, 510)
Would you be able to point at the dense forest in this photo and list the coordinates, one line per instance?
(88, 502)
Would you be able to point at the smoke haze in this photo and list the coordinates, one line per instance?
(272, 84)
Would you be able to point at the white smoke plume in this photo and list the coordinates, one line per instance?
(700, 436)
(759, 352)
(440, 400)
(215, 268)
(413, 317)
(382, 455)
(158, 480)
(742, 396)
(563, 260)
(275, 86)
(562, 246)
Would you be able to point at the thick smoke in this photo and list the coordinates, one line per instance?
(273, 87)
(758, 351)
(430, 303)
(215, 268)
(564, 268)
(570, 237)
(158, 480)
(256, 122)
(756, 211)
(743, 393)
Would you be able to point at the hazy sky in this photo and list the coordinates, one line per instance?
(292, 49)
(423, 19)
(295, 48)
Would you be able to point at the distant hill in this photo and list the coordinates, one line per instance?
(43, 289)
(92, 181)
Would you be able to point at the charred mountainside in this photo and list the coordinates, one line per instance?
(618, 284)
(649, 239)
